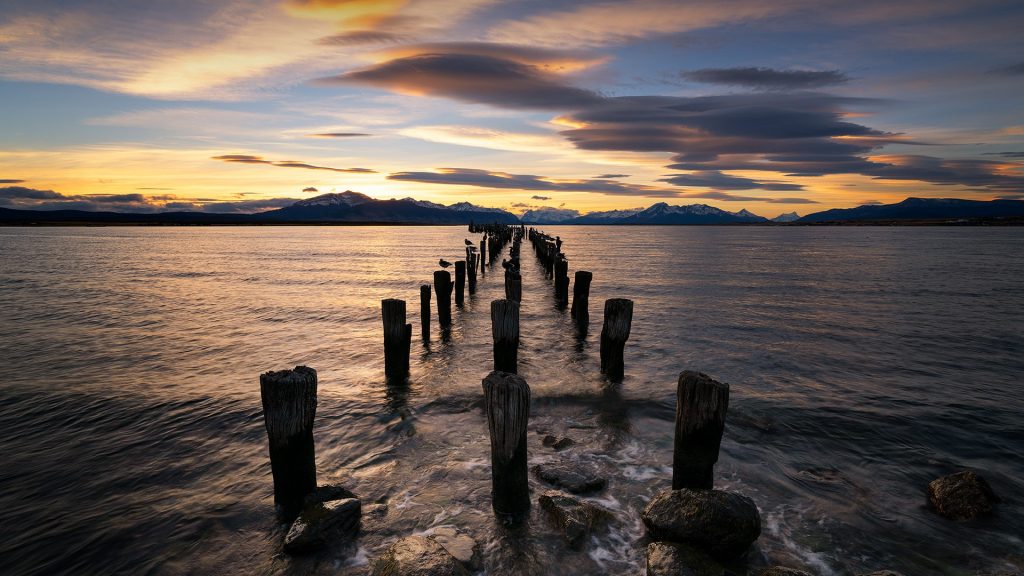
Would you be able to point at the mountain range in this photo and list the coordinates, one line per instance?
(355, 208)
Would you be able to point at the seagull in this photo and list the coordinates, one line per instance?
(468, 242)
(444, 263)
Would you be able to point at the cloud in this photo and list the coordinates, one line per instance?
(476, 78)
(503, 180)
(1006, 154)
(717, 180)
(11, 181)
(612, 176)
(541, 198)
(310, 189)
(339, 134)
(547, 59)
(768, 78)
(989, 174)
(22, 193)
(1012, 70)
(250, 159)
(359, 37)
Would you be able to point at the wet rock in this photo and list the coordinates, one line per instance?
(780, 571)
(671, 559)
(882, 573)
(575, 518)
(320, 523)
(460, 545)
(578, 479)
(961, 496)
(557, 443)
(329, 492)
(723, 524)
(417, 556)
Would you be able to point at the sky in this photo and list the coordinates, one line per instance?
(241, 106)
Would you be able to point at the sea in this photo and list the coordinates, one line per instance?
(863, 362)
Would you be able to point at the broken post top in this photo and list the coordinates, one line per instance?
(505, 320)
(618, 318)
(393, 314)
(289, 402)
(700, 401)
(507, 403)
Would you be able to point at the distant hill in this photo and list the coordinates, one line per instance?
(922, 209)
(663, 213)
(345, 207)
(787, 217)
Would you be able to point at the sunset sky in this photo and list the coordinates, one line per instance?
(772, 106)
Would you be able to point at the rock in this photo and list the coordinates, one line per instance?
(576, 479)
(417, 556)
(460, 545)
(329, 492)
(671, 559)
(723, 524)
(961, 496)
(882, 573)
(574, 517)
(557, 443)
(780, 571)
(319, 523)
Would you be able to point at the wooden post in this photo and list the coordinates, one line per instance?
(425, 311)
(513, 286)
(483, 254)
(505, 331)
(289, 406)
(618, 318)
(507, 403)
(701, 404)
(581, 298)
(396, 338)
(561, 281)
(443, 289)
(460, 282)
(471, 269)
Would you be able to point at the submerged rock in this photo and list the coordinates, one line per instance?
(417, 556)
(319, 523)
(780, 571)
(672, 559)
(557, 443)
(723, 524)
(575, 518)
(329, 492)
(961, 496)
(460, 545)
(578, 479)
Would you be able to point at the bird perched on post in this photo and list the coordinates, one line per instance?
(468, 242)
(444, 263)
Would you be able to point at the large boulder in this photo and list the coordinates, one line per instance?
(417, 556)
(780, 571)
(672, 559)
(723, 524)
(575, 518)
(961, 496)
(557, 443)
(578, 479)
(321, 522)
(460, 545)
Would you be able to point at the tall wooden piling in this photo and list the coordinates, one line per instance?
(483, 254)
(425, 311)
(701, 404)
(618, 318)
(561, 281)
(289, 406)
(471, 269)
(397, 335)
(581, 297)
(460, 283)
(443, 290)
(513, 286)
(505, 331)
(507, 403)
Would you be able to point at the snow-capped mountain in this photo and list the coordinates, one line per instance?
(664, 213)
(787, 217)
(346, 198)
(351, 206)
(547, 215)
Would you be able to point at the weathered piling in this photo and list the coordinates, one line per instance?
(483, 254)
(425, 311)
(561, 280)
(471, 268)
(505, 332)
(443, 289)
(701, 404)
(618, 318)
(460, 283)
(397, 335)
(581, 297)
(513, 286)
(289, 406)
(507, 403)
